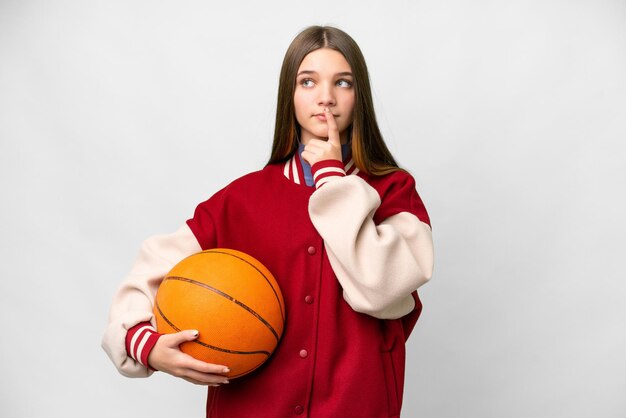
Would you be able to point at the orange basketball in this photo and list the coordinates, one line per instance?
(232, 300)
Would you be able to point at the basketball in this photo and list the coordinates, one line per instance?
(232, 300)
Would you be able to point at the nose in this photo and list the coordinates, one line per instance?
(327, 95)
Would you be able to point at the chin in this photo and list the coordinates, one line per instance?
(319, 133)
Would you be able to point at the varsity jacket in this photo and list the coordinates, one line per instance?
(348, 255)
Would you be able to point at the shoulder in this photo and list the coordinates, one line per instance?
(270, 172)
(398, 193)
(394, 180)
(248, 181)
(254, 182)
(398, 184)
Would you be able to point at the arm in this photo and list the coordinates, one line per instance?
(378, 266)
(133, 301)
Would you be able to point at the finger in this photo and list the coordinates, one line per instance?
(333, 130)
(308, 157)
(205, 378)
(312, 157)
(196, 382)
(174, 340)
(203, 367)
(317, 149)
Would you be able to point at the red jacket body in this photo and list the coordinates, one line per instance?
(331, 361)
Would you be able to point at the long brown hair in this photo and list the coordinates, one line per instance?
(369, 151)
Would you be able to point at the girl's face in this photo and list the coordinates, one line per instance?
(324, 79)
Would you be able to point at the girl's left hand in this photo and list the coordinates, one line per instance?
(318, 150)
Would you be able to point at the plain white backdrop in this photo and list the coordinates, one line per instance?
(118, 117)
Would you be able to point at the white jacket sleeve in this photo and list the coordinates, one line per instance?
(378, 266)
(134, 299)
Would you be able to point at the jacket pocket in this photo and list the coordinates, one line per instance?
(393, 400)
(211, 402)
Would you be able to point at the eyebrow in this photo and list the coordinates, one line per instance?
(342, 74)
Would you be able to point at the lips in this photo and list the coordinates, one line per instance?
(322, 116)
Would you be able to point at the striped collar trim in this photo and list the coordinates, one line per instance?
(293, 169)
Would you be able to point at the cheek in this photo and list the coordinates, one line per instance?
(299, 104)
(349, 109)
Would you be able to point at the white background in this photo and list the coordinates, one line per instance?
(118, 117)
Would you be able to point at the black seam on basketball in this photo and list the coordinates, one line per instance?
(224, 350)
(282, 308)
(229, 297)
(165, 318)
(212, 347)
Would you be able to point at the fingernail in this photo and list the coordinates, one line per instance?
(225, 382)
(225, 370)
(195, 332)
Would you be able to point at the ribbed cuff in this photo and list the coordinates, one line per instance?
(327, 170)
(140, 340)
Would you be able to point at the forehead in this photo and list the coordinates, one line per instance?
(325, 60)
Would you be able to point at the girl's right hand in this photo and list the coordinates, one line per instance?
(167, 357)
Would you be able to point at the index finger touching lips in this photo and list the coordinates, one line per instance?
(333, 131)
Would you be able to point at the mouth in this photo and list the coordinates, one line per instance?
(322, 116)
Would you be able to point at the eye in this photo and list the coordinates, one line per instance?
(344, 83)
(306, 82)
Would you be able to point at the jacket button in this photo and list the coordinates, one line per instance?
(298, 409)
(304, 353)
(308, 299)
(311, 250)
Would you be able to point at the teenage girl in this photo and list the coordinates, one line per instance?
(339, 225)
